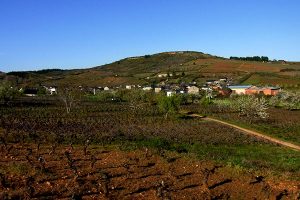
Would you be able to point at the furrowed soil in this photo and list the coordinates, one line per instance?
(108, 173)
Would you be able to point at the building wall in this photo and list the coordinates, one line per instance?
(239, 91)
(270, 92)
(170, 93)
(251, 91)
(157, 90)
(193, 90)
(147, 88)
(265, 91)
(274, 92)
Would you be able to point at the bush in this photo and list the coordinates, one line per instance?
(287, 100)
(168, 105)
(7, 93)
(205, 101)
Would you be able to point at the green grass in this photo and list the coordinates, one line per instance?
(264, 78)
(255, 157)
(290, 133)
(19, 169)
(263, 157)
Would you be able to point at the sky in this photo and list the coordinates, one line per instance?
(67, 34)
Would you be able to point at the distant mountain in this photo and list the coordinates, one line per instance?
(181, 66)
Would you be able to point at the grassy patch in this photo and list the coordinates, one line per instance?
(289, 132)
(17, 169)
(271, 79)
(263, 157)
(253, 156)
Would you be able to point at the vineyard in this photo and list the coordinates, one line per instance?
(107, 123)
(114, 150)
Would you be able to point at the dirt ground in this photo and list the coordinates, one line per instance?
(65, 172)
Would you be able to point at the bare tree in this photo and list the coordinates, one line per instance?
(69, 96)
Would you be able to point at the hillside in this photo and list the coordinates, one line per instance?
(185, 66)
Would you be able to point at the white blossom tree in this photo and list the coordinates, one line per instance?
(251, 107)
(286, 99)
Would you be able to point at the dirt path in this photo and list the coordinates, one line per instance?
(250, 132)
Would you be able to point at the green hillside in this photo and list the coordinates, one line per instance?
(184, 66)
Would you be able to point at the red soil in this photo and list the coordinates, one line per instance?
(139, 174)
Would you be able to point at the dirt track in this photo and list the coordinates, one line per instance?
(254, 133)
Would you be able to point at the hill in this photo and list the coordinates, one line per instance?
(184, 66)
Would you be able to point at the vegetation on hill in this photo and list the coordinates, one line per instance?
(185, 66)
(254, 58)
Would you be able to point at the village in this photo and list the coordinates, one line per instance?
(150, 100)
(223, 87)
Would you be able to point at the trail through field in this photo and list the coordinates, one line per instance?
(251, 132)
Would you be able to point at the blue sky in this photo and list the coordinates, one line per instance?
(37, 34)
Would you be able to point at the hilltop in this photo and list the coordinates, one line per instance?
(184, 66)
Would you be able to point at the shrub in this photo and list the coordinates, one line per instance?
(287, 100)
(169, 105)
(7, 93)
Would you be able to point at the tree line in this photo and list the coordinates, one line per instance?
(254, 58)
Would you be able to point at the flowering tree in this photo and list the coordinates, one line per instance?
(250, 107)
(287, 100)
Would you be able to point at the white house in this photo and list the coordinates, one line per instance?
(157, 89)
(128, 87)
(106, 88)
(170, 93)
(239, 89)
(206, 88)
(162, 75)
(52, 90)
(193, 90)
(223, 79)
(182, 91)
(147, 88)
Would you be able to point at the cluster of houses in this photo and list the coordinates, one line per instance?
(222, 87)
(169, 89)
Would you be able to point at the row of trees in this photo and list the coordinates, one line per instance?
(254, 58)
(253, 107)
